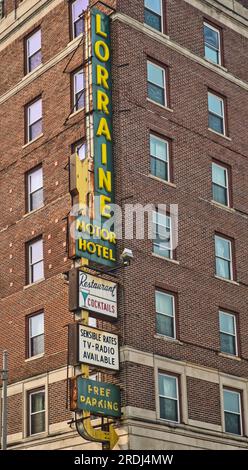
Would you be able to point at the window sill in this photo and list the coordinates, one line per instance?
(229, 356)
(32, 141)
(174, 261)
(220, 135)
(167, 183)
(33, 283)
(29, 74)
(235, 283)
(222, 206)
(33, 437)
(216, 65)
(76, 112)
(38, 356)
(33, 211)
(160, 105)
(167, 338)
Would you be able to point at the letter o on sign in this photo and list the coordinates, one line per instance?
(102, 51)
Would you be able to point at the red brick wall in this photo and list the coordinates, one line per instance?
(15, 411)
(203, 401)
(57, 403)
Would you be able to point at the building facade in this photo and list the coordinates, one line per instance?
(180, 87)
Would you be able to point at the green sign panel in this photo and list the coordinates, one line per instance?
(102, 249)
(98, 397)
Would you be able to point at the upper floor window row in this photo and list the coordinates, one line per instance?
(155, 17)
(77, 23)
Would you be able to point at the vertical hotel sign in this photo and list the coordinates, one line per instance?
(103, 248)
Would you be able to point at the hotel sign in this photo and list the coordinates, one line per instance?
(93, 347)
(97, 242)
(97, 397)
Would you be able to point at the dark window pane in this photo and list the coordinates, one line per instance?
(159, 168)
(78, 27)
(165, 325)
(37, 423)
(168, 409)
(227, 343)
(34, 61)
(215, 123)
(36, 199)
(161, 250)
(220, 194)
(35, 130)
(37, 402)
(153, 20)
(79, 98)
(156, 93)
(232, 423)
(212, 54)
(37, 345)
(223, 268)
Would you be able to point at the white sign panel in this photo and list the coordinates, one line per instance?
(98, 348)
(97, 295)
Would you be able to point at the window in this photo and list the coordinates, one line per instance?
(77, 8)
(156, 83)
(78, 90)
(228, 333)
(154, 14)
(33, 51)
(212, 43)
(165, 314)
(37, 412)
(36, 334)
(34, 120)
(223, 257)
(80, 148)
(220, 183)
(168, 397)
(232, 412)
(162, 243)
(35, 189)
(216, 118)
(35, 261)
(159, 152)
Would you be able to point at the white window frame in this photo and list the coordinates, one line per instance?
(31, 337)
(170, 249)
(162, 17)
(165, 105)
(29, 56)
(72, 21)
(30, 414)
(230, 334)
(29, 175)
(218, 115)
(211, 47)
(28, 120)
(240, 414)
(226, 259)
(165, 141)
(162, 313)
(227, 187)
(164, 374)
(75, 101)
(30, 244)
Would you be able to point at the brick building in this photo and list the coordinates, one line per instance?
(180, 83)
